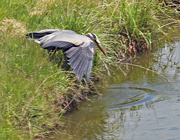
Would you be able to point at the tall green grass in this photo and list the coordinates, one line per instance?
(33, 87)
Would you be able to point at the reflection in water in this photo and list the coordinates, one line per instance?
(140, 106)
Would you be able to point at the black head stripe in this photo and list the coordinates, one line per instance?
(94, 36)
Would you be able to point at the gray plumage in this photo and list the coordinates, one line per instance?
(78, 48)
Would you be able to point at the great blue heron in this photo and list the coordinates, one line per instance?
(78, 48)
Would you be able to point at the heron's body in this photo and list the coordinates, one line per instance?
(78, 48)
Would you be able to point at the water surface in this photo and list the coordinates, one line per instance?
(139, 106)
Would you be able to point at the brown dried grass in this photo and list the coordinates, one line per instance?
(13, 26)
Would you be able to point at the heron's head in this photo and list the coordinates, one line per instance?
(95, 39)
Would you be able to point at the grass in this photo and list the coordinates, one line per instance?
(34, 90)
(138, 24)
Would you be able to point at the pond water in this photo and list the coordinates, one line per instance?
(142, 105)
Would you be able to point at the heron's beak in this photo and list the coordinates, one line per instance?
(100, 47)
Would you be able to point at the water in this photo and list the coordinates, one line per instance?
(140, 106)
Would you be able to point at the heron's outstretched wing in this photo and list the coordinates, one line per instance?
(81, 59)
(79, 48)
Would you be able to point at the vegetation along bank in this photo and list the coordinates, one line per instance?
(35, 89)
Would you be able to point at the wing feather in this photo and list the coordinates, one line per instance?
(81, 68)
(75, 64)
(81, 60)
(58, 45)
(73, 52)
(73, 61)
(88, 70)
(40, 34)
(77, 69)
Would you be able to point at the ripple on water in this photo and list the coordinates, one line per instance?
(122, 97)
